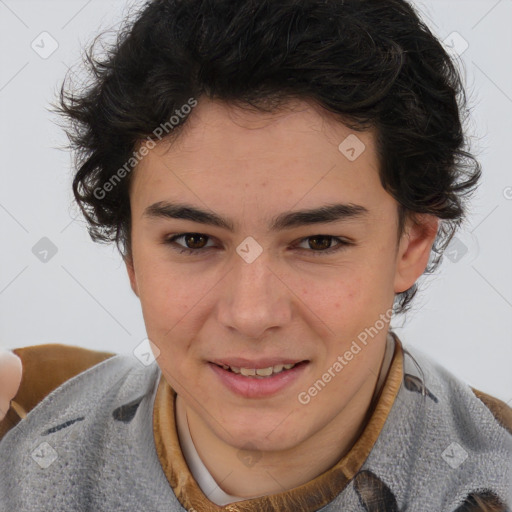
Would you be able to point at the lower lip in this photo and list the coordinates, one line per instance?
(252, 387)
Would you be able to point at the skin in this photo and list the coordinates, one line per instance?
(292, 301)
(10, 379)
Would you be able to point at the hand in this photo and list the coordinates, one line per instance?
(10, 379)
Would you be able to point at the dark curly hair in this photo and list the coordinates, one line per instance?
(371, 63)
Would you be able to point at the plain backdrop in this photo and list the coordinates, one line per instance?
(57, 286)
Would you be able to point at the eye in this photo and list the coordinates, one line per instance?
(321, 244)
(195, 244)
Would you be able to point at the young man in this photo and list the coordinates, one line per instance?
(276, 176)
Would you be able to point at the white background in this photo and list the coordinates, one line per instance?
(81, 296)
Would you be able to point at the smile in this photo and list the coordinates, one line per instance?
(262, 382)
(259, 372)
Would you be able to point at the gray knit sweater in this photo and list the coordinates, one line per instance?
(88, 446)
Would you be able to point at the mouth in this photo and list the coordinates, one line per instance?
(260, 373)
(261, 379)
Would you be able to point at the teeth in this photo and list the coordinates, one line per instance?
(259, 372)
(265, 372)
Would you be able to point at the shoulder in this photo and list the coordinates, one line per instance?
(452, 396)
(441, 427)
(499, 409)
(93, 391)
(96, 426)
(45, 368)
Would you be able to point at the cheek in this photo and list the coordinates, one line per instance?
(168, 307)
(371, 281)
(346, 289)
(165, 295)
(350, 301)
(165, 287)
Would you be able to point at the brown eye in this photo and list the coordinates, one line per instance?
(318, 243)
(195, 240)
(189, 243)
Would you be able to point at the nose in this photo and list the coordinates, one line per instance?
(254, 298)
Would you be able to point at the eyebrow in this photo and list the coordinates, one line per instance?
(287, 220)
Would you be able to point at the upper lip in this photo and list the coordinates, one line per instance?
(241, 362)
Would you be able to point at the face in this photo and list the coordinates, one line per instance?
(229, 274)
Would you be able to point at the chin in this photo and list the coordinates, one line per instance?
(264, 436)
(259, 443)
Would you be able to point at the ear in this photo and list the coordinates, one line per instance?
(128, 261)
(414, 249)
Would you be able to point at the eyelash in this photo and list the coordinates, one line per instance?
(194, 252)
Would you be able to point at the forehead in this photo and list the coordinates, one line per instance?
(215, 125)
(298, 153)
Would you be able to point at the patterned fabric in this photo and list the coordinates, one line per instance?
(375, 496)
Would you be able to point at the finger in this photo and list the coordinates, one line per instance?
(11, 370)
